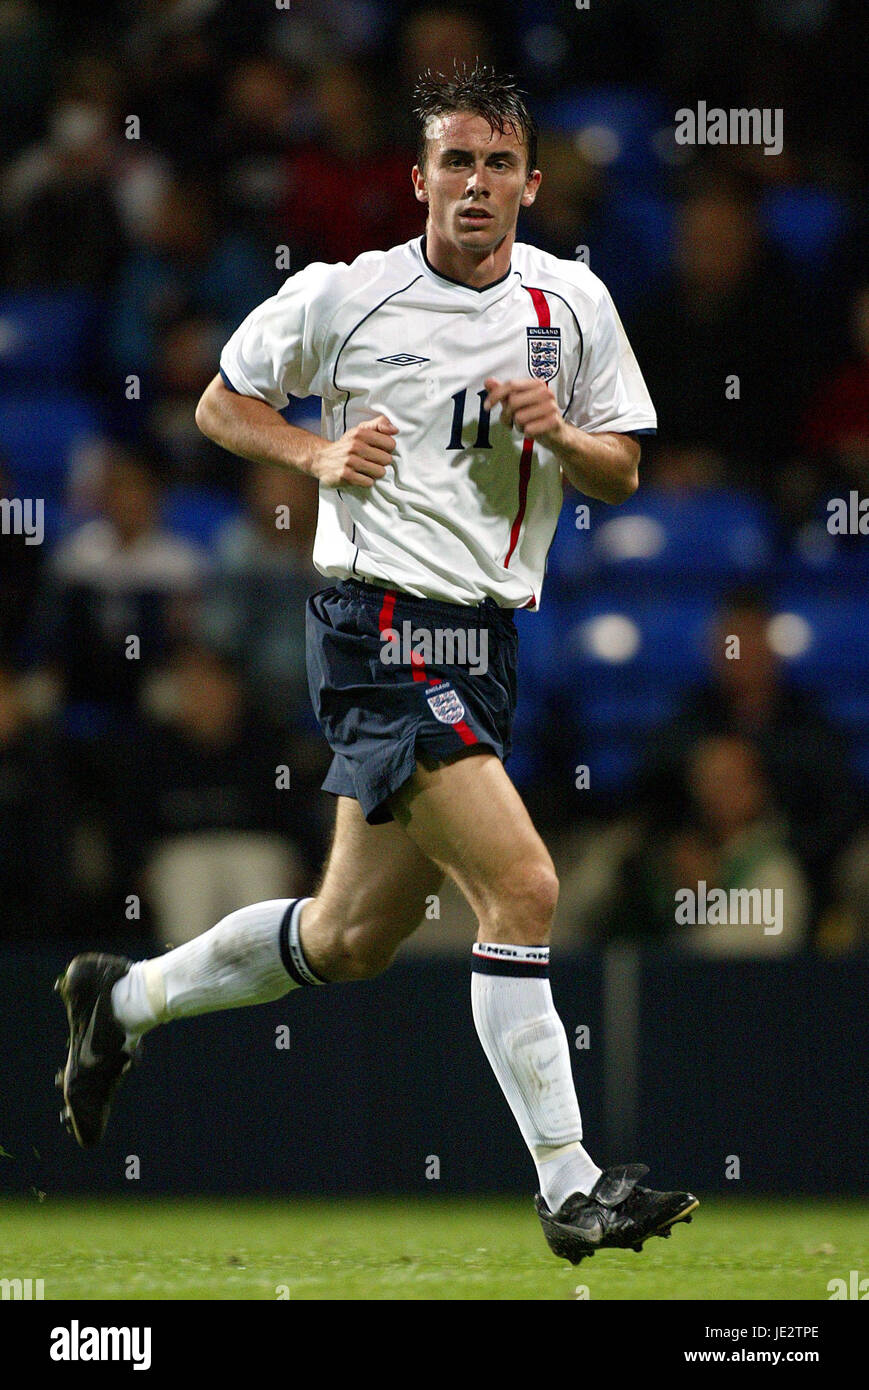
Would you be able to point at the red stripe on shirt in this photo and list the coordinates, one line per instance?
(541, 307)
(524, 480)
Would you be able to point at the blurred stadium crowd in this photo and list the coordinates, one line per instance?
(162, 164)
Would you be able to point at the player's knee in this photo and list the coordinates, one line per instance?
(528, 897)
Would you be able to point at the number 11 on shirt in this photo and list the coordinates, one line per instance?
(482, 439)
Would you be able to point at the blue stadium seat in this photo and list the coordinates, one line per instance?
(823, 638)
(39, 433)
(613, 640)
(651, 218)
(541, 637)
(641, 705)
(629, 116)
(45, 337)
(610, 765)
(539, 658)
(570, 564)
(818, 556)
(805, 223)
(707, 538)
(198, 513)
(616, 669)
(849, 707)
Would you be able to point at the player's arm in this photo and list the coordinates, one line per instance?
(602, 465)
(255, 430)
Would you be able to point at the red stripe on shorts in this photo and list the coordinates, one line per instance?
(418, 671)
(386, 611)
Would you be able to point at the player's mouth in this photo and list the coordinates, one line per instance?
(475, 215)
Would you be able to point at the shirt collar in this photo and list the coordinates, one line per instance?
(460, 284)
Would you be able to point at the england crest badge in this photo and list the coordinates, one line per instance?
(445, 704)
(544, 352)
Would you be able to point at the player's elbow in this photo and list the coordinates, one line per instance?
(626, 475)
(203, 415)
(631, 483)
(622, 487)
(207, 414)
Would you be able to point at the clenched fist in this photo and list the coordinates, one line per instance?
(359, 458)
(529, 405)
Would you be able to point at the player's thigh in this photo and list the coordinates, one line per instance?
(468, 818)
(376, 879)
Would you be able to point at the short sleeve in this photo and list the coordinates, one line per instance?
(277, 351)
(610, 392)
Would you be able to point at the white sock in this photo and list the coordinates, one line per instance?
(250, 957)
(525, 1042)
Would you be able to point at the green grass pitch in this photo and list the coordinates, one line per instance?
(417, 1248)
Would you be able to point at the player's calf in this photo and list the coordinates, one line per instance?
(342, 953)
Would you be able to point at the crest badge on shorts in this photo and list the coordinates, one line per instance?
(445, 704)
(544, 352)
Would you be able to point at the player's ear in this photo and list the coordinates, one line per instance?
(419, 187)
(532, 183)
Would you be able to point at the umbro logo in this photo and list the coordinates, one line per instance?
(403, 359)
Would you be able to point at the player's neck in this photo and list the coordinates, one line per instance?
(467, 267)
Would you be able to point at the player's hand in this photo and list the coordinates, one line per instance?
(359, 458)
(528, 404)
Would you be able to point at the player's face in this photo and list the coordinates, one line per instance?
(474, 183)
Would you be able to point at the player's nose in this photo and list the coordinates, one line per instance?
(478, 183)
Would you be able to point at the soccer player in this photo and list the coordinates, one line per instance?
(462, 375)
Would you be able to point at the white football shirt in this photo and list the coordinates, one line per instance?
(468, 508)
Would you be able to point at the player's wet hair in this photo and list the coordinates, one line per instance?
(479, 91)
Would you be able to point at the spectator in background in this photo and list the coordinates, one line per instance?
(437, 36)
(35, 820)
(325, 30)
(186, 351)
(173, 48)
(213, 821)
(183, 264)
(60, 218)
(260, 118)
(747, 697)
(349, 191)
(253, 605)
(727, 309)
(836, 429)
(731, 839)
(845, 925)
(434, 37)
(116, 577)
(575, 208)
(28, 53)
(833, 452)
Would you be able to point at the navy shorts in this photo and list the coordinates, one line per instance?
(393, 678)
